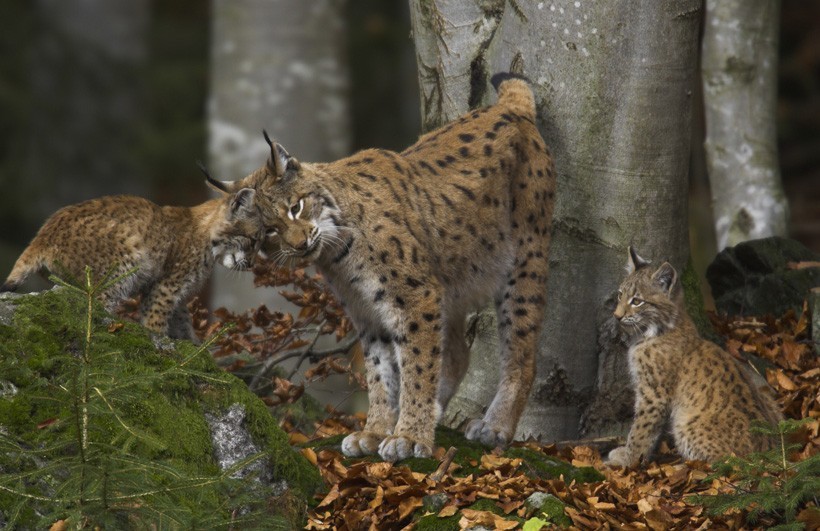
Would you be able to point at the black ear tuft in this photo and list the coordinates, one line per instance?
(267, 138)
(634, 261)
(501, 77)
(219, 186)
(665, 276)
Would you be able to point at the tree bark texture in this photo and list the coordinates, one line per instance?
(739, 66)
(88, 100)
(612, 82)
(276, 65)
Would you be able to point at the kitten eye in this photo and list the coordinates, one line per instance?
(271, 232)
(296, 209)
(635, 301)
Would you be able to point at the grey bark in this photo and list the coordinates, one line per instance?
(739, 66)
(277, 65)
(87, 91)
(613, 83)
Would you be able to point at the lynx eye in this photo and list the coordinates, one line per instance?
(271, 232)
(635, 301)
(296, 209)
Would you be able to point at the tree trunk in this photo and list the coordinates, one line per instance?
(277, 65)
(612, 82)
(88, 95)
(739, 64)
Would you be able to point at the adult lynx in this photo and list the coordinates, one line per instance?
(411, 242)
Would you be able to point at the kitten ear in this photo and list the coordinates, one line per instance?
(665, 276)
(635, 262)
(242, 202)
(280, 162)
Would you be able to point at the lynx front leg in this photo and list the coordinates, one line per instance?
(650, 414)
(419, 349)
(382, 393)
(519, 310)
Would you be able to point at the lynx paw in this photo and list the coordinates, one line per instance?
(480, 430)
(619, 457)
(397, 447)
(361, 443)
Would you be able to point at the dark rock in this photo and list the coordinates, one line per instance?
(754, 278)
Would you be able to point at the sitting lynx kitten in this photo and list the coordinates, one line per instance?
(173, 249)
(707, 397)
(411, 242)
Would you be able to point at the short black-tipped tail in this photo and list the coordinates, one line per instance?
(500, 77)
(514, 92)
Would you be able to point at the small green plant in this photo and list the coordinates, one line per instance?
(767, 483)
(82, 462)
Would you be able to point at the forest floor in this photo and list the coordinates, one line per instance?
(476, 487)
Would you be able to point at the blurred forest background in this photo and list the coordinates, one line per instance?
(100, 97)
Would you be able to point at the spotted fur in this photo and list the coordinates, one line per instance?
(706, 397)
(172, 248)
(411, 242)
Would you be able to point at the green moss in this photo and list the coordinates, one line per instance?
(155, 400)
(540, 465)
(552, 510)
(431, 522)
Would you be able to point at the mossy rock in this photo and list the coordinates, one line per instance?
(127, 420)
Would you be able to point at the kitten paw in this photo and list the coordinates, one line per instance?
(361, 443)
(397, 447)
(485, 433)
(619, 457)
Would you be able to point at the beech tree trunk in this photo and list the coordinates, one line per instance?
(739, 65)
(612, 82)
(276, 65)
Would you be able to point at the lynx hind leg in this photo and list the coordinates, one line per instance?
(455, 358)
(382, 371)
(519, 310)
(160, 302)
(180, 324)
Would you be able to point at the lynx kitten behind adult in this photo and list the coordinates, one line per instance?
(708, 399)
(172, 248)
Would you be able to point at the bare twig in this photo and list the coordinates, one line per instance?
(441, 471)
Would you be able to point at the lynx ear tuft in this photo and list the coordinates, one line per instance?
(665, 276)
(280, 164)
(634, 261)
(225, 187)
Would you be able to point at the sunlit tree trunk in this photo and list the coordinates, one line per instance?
(739, 64)
(277, 65)
(88, 94)
(612, 82)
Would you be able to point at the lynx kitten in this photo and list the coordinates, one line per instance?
(172, 248)
(411, 242)
(705, 396)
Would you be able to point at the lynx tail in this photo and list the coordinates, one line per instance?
(515, 93)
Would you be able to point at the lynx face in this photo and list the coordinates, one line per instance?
(646, 299)
(302, 221)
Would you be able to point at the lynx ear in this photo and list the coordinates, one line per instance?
(665, 276)
(280, 162)
(225, 187)
(242, 202)
(635, 262)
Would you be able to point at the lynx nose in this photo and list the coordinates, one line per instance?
(618, 313)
